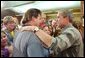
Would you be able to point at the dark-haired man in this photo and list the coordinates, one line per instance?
(27, 43)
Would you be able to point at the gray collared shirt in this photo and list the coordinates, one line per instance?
(27, 44)
(68, 43)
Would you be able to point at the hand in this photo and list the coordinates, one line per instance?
(10, 48)
(27, 28)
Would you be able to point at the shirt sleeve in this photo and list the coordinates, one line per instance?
(63, 41)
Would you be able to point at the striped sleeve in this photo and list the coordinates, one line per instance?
(64, 41)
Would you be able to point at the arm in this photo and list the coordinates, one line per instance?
(60, 43)
(50, 41)
(44, 37)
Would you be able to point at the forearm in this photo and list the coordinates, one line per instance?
(44, 37)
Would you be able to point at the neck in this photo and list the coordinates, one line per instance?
(10, 30)
(65, 25)
(31, 24)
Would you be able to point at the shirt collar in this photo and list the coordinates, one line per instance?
(67, 26)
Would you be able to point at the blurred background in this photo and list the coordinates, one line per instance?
(17, 8)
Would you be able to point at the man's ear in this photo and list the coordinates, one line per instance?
(33, 19)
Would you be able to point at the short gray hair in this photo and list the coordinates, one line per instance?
(67, 13)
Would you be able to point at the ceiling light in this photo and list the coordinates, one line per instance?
(1, 4)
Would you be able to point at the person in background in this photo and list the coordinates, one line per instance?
(47, 30)
(3, 27)
(10, 27)
(44, 17)
(5, 48)
(78, 25)
(18, 26)
(55, 28)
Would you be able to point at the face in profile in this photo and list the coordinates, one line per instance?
(38, 20)
(61, 20)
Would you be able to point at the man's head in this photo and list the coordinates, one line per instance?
(64, 17)
(9, 23)
(32, 17)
